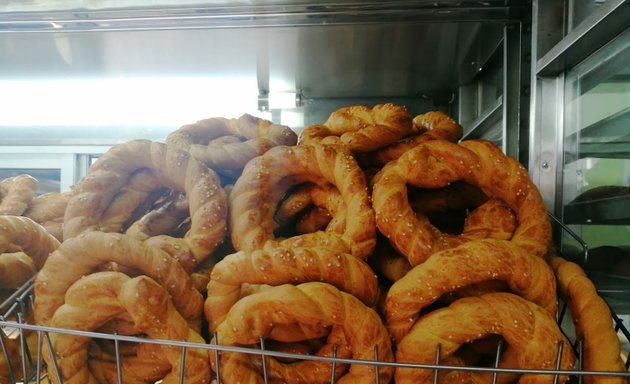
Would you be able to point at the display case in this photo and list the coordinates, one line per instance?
(581, 104)
(546, 81)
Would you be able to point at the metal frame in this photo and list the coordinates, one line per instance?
(33, 369)
(258, 15)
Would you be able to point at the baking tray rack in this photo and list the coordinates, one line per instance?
(32, 365)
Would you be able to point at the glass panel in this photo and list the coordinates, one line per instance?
(596, 178)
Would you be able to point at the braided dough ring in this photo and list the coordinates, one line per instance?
(591, 317)
(253, 199)
(435, 164)
(48, 210)
(176, 170)
(145, 365)
(100, 297)
(361, 129)
(16, 193)
(528, 329)
(429, 126)
(306, 304)
(229, 153)
(78, 256)
(281, 265)
(327, 209)
(474, 262)
(27, 246)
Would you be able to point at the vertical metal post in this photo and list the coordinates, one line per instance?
(53, 358)
(334, 364)
(264, 361)
(118, 362)
(5, 351)
(377, 369)
(497, 358)
(556, 377)
(217, 359)
(511, 89)
(438, 351)
(182, 365)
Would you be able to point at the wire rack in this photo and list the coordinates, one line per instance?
(32, 369)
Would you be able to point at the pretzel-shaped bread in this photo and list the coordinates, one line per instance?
(471, 263)
(24, 248)
(217, 141)
(253, 200)
(276, 265)
(137, 195)
(97, 298)
(78, 256)
(172, 167)
(591, 317)
(362, 129)
(318, 304)
(321, 204)
(531, 333)
(428, 126)
(437, 163)
(16, 193)
(48, 210)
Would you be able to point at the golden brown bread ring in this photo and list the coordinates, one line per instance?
(162, 220)
(429, 126)
(437, 163)
(16, 193)
(49, 206)
(387, 262)
(321, 208)
(19, 233)
(176, 170)
(473, 262)
(362, 129)
(526, 327)
(15, 269)
(94, 299)
(78, 256)
(138, 194)
(253, 200)
(592, 319)
(320, 304)
(146, 365)
(260, 135)
(48, 210)
(276, 265)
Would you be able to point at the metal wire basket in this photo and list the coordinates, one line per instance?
(32, 369)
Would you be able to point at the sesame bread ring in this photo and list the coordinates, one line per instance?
(527, 328)
(24, 248)
(312, 208)
(437, 163)
(307, 304)
(591, 316)
(226, 145)
(362, 129)
(471, 263)
(97, 298)
(78, 256)
(48, 210)
(16, 193)
(175, 169)
(253, 200)
(428, 126)
(282, 265)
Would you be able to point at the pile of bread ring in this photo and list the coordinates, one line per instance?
(375, 235)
